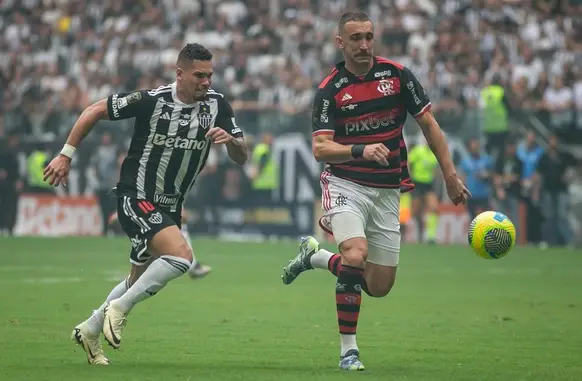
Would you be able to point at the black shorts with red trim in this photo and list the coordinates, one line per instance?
(141, 220)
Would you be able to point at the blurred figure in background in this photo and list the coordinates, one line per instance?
(423, 166)
(495, 112)
(477, 169)
(507, 180)
(104, 163)
(10, 184)
(529, 153)
(264, 173)
(553, 167)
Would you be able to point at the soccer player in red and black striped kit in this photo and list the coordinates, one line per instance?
(358, 116)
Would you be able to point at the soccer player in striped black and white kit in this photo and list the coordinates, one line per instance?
(174, 127)
(358, 115)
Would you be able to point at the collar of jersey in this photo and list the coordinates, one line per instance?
(177, 101)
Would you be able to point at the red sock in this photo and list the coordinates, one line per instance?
(334, 264)
(348, 298)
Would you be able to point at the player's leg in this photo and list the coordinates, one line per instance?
(431, 217)
(347, 218)
(86, 334)
(197, 269)
(383, 232)
(159, 234)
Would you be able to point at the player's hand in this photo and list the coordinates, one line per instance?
(57, 172)
(219, 136)
(377, 152)
(457, 191)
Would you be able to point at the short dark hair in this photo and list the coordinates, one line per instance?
(351, 16)
(192, 52)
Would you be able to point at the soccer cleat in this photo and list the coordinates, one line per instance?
(351, 361)
(302, 261)
(90, 344)
(199, 271)
(113, 326)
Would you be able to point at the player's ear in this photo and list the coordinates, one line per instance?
(179, 73)
(339, 42)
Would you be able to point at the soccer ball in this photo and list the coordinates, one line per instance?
(491, 235)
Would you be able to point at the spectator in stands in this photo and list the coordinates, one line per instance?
(558, 101)
(552, 168)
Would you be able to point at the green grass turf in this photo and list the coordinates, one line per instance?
(452, 316)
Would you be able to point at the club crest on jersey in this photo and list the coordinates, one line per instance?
(155, 218)
(133, 97)
(204, 116)
(389, 86)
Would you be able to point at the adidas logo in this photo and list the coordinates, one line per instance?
(346, 97)
(165, 116)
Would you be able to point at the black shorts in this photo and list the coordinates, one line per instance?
(141, 220)
(421, 189)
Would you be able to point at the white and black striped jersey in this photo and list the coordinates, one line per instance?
(168, 148)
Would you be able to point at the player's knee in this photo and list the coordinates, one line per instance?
(182, 251)
(354, 252)
(379, 290)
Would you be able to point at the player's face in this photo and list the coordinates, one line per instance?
(357, 41)
(196, 78)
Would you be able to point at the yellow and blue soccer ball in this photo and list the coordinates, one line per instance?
(491, 235)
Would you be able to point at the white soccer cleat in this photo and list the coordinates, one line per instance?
(113, 326)
(90, 344)
(302, 262)
(199, 271)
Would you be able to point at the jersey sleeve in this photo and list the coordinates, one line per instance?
(415, 97)
(126, 105)
(225, 118)
(323, 113)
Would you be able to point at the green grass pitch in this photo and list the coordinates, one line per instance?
(451, 316)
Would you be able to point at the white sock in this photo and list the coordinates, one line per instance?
(95, 321)
(186, 236)
(157, 275)
(348, 342)
(320, 259)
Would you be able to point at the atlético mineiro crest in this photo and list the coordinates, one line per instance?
(204, 116)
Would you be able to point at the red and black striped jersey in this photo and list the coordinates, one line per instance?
(366, 110)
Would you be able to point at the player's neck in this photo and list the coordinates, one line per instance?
(358, 69)
(183, 96)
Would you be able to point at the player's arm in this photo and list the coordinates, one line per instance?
(231, 135)
(418, 105)
(325, 150)
(114, 107)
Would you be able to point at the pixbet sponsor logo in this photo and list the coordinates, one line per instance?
(369, 124)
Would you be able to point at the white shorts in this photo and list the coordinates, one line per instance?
(352, 210)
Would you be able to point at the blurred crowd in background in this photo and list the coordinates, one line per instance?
(59, 56)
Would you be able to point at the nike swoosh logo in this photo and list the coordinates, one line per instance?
(115, 339)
